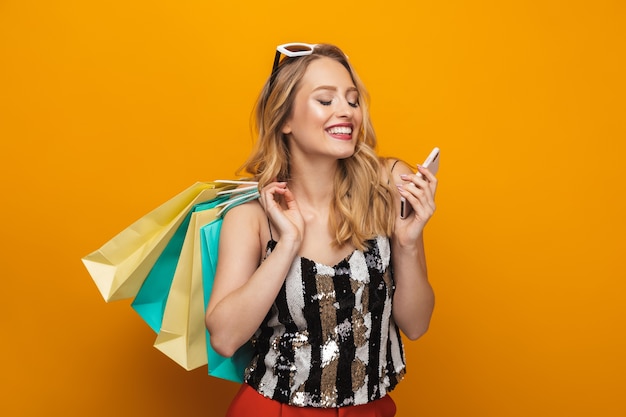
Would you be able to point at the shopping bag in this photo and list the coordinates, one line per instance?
(231, 368)
(158, 261)
(171, 298)
(119, 267)
(151, 298)
(182, 334)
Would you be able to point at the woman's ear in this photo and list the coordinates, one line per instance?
(286, 128)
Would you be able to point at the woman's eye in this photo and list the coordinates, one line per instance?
(325, 103)
(354, 104)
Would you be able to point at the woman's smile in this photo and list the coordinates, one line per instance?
(341, 131)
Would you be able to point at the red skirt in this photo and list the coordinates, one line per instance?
(249, 403)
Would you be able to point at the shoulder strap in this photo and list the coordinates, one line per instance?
(269, 224)
(391, 171)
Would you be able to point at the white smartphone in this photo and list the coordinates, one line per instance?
(432, 163)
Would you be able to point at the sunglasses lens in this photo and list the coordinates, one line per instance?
(295, 49)
(298, 48)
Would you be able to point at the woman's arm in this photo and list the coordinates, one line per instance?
(245, 289)
(414, 300)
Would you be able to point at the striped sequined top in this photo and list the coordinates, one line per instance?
(330, 340)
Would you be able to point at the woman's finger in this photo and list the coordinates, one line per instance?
(268, 195)
(432, 179)
(419, 194)
(424, 181)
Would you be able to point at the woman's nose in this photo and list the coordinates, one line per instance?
(345, 109)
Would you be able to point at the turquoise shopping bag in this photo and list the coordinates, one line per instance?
(231, 368)
(152, 296)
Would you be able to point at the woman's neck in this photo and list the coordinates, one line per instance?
(313, 184)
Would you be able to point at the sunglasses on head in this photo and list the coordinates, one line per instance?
(290, 50)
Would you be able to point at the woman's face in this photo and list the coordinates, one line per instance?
(326, 117)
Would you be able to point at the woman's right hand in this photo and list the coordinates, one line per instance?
(282, 209)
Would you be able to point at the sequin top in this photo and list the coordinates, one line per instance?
(329, 339)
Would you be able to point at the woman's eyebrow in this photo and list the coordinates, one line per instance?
(333, 88)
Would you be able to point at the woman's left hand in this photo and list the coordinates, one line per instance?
(419, 192)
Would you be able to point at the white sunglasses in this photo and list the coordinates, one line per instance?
(290, 50)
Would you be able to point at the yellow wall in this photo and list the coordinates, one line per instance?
(109, 108)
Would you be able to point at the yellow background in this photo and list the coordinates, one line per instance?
(108, 108)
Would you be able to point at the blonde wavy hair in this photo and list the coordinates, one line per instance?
(362, 207)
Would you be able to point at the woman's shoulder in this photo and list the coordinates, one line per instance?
(245, 212)
(247, 221)
(392, 168)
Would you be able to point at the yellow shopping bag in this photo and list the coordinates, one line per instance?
(182, 335)
(120, 266)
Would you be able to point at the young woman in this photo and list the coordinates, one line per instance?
(321, 272)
